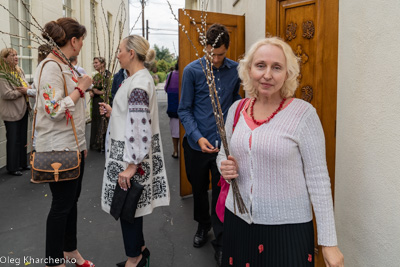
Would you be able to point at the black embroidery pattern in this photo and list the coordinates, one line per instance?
(139, 97)
(108, 194)
(117, 150)
(157, 164)
(159, 187)
(113, 169)
(155, 143)
(145, 198)
(143, 178)
(139, 110)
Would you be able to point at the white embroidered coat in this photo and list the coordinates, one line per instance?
(125, 119)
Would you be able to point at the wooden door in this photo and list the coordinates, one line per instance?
(311, 29)
(187, 54)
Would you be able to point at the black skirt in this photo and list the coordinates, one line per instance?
(257, 245)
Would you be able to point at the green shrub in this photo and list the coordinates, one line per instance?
(162, 66)
(162, 76)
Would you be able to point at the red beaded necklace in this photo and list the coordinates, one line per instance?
(270, 117)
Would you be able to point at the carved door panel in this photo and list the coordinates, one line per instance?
(187, 54)
(311, 29)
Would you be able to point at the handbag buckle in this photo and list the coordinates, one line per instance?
(56, 166)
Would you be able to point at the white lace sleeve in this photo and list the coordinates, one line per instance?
(138, 127)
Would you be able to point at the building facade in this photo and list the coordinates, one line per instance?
(367, 130)
(99, 17)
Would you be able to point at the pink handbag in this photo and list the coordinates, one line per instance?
(220, 207)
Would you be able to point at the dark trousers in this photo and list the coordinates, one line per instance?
(62, 219)
(16, 134)
(198, 167)
(132, 234)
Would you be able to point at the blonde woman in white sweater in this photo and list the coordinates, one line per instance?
(278, 159)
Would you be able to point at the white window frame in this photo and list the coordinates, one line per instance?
(21, 44)
(67, 8)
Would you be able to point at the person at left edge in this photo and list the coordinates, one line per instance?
(201, 142)
(14, 112)
(134, 148)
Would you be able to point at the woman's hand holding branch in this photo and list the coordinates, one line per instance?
(229, 168)
(105, 109)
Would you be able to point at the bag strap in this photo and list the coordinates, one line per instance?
(238, 110)
(37, 96)
(168, 81)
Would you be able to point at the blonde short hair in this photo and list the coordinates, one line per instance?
(141, 47)
(292, 65)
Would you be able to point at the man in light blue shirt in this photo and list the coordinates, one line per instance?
(201, 142)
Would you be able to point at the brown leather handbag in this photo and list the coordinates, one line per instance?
(55, 166)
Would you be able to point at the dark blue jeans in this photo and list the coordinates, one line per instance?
(132, 234)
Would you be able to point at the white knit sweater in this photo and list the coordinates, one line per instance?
(284, 171)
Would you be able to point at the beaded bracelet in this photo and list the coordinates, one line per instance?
(80, 92)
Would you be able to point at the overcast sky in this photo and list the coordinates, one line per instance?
(163, 27)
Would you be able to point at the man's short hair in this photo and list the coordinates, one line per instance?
(218, 30)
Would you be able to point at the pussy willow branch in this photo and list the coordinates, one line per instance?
(50, 40)
(210, 79)
(9, 74)
(95, 29)
(111, 58)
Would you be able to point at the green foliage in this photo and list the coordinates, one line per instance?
(155, 77)
(162, 76)
(162, 66)
(162, 53)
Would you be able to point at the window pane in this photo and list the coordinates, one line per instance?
(25, 50)
(26, 66)
(13, 22)
(15, 43)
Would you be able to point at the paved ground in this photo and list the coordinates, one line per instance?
(168, 230)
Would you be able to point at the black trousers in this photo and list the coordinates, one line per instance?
(16, 134)
(132, 234)
(198, 167)
(61, 229)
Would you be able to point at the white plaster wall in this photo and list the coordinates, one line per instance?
(254, 12)
(367, 200)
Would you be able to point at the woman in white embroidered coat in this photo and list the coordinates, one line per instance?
(134, 146)
(278, 160)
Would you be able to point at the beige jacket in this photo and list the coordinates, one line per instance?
(53, 132)
(12, 103)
